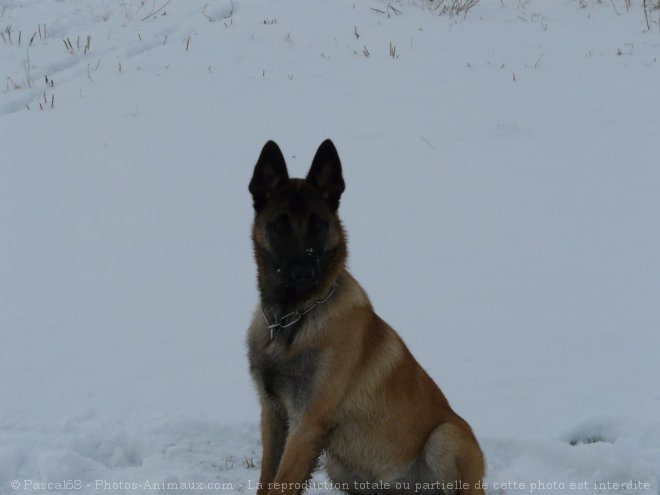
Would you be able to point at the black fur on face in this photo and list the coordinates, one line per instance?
(298, 239)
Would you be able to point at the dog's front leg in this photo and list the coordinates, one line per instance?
(309, 433)
(273, 438)
(303, 447)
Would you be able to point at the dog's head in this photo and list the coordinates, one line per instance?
(298, 239)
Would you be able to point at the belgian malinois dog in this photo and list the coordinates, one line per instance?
(332, 376)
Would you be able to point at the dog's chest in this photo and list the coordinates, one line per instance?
(283, 374)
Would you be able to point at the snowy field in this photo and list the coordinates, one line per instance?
(502, 206)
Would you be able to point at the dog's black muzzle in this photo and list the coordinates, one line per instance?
(305, 273)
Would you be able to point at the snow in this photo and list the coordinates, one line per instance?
(501, 205)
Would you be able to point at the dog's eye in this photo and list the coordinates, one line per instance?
(316, 225)
(280, 225)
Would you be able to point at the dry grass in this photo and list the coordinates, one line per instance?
(453, 8)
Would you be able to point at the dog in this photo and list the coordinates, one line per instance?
(333, 377)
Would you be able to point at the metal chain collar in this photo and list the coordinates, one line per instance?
(294, 316)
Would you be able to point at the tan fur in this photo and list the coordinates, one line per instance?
(374, 409)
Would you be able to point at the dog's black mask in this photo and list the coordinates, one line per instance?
(296, 232)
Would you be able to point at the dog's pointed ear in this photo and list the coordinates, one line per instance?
(325, 174)
(269, 174)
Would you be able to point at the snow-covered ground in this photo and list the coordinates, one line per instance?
(502, 205)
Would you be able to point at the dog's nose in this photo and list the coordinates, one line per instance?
(302, 273)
